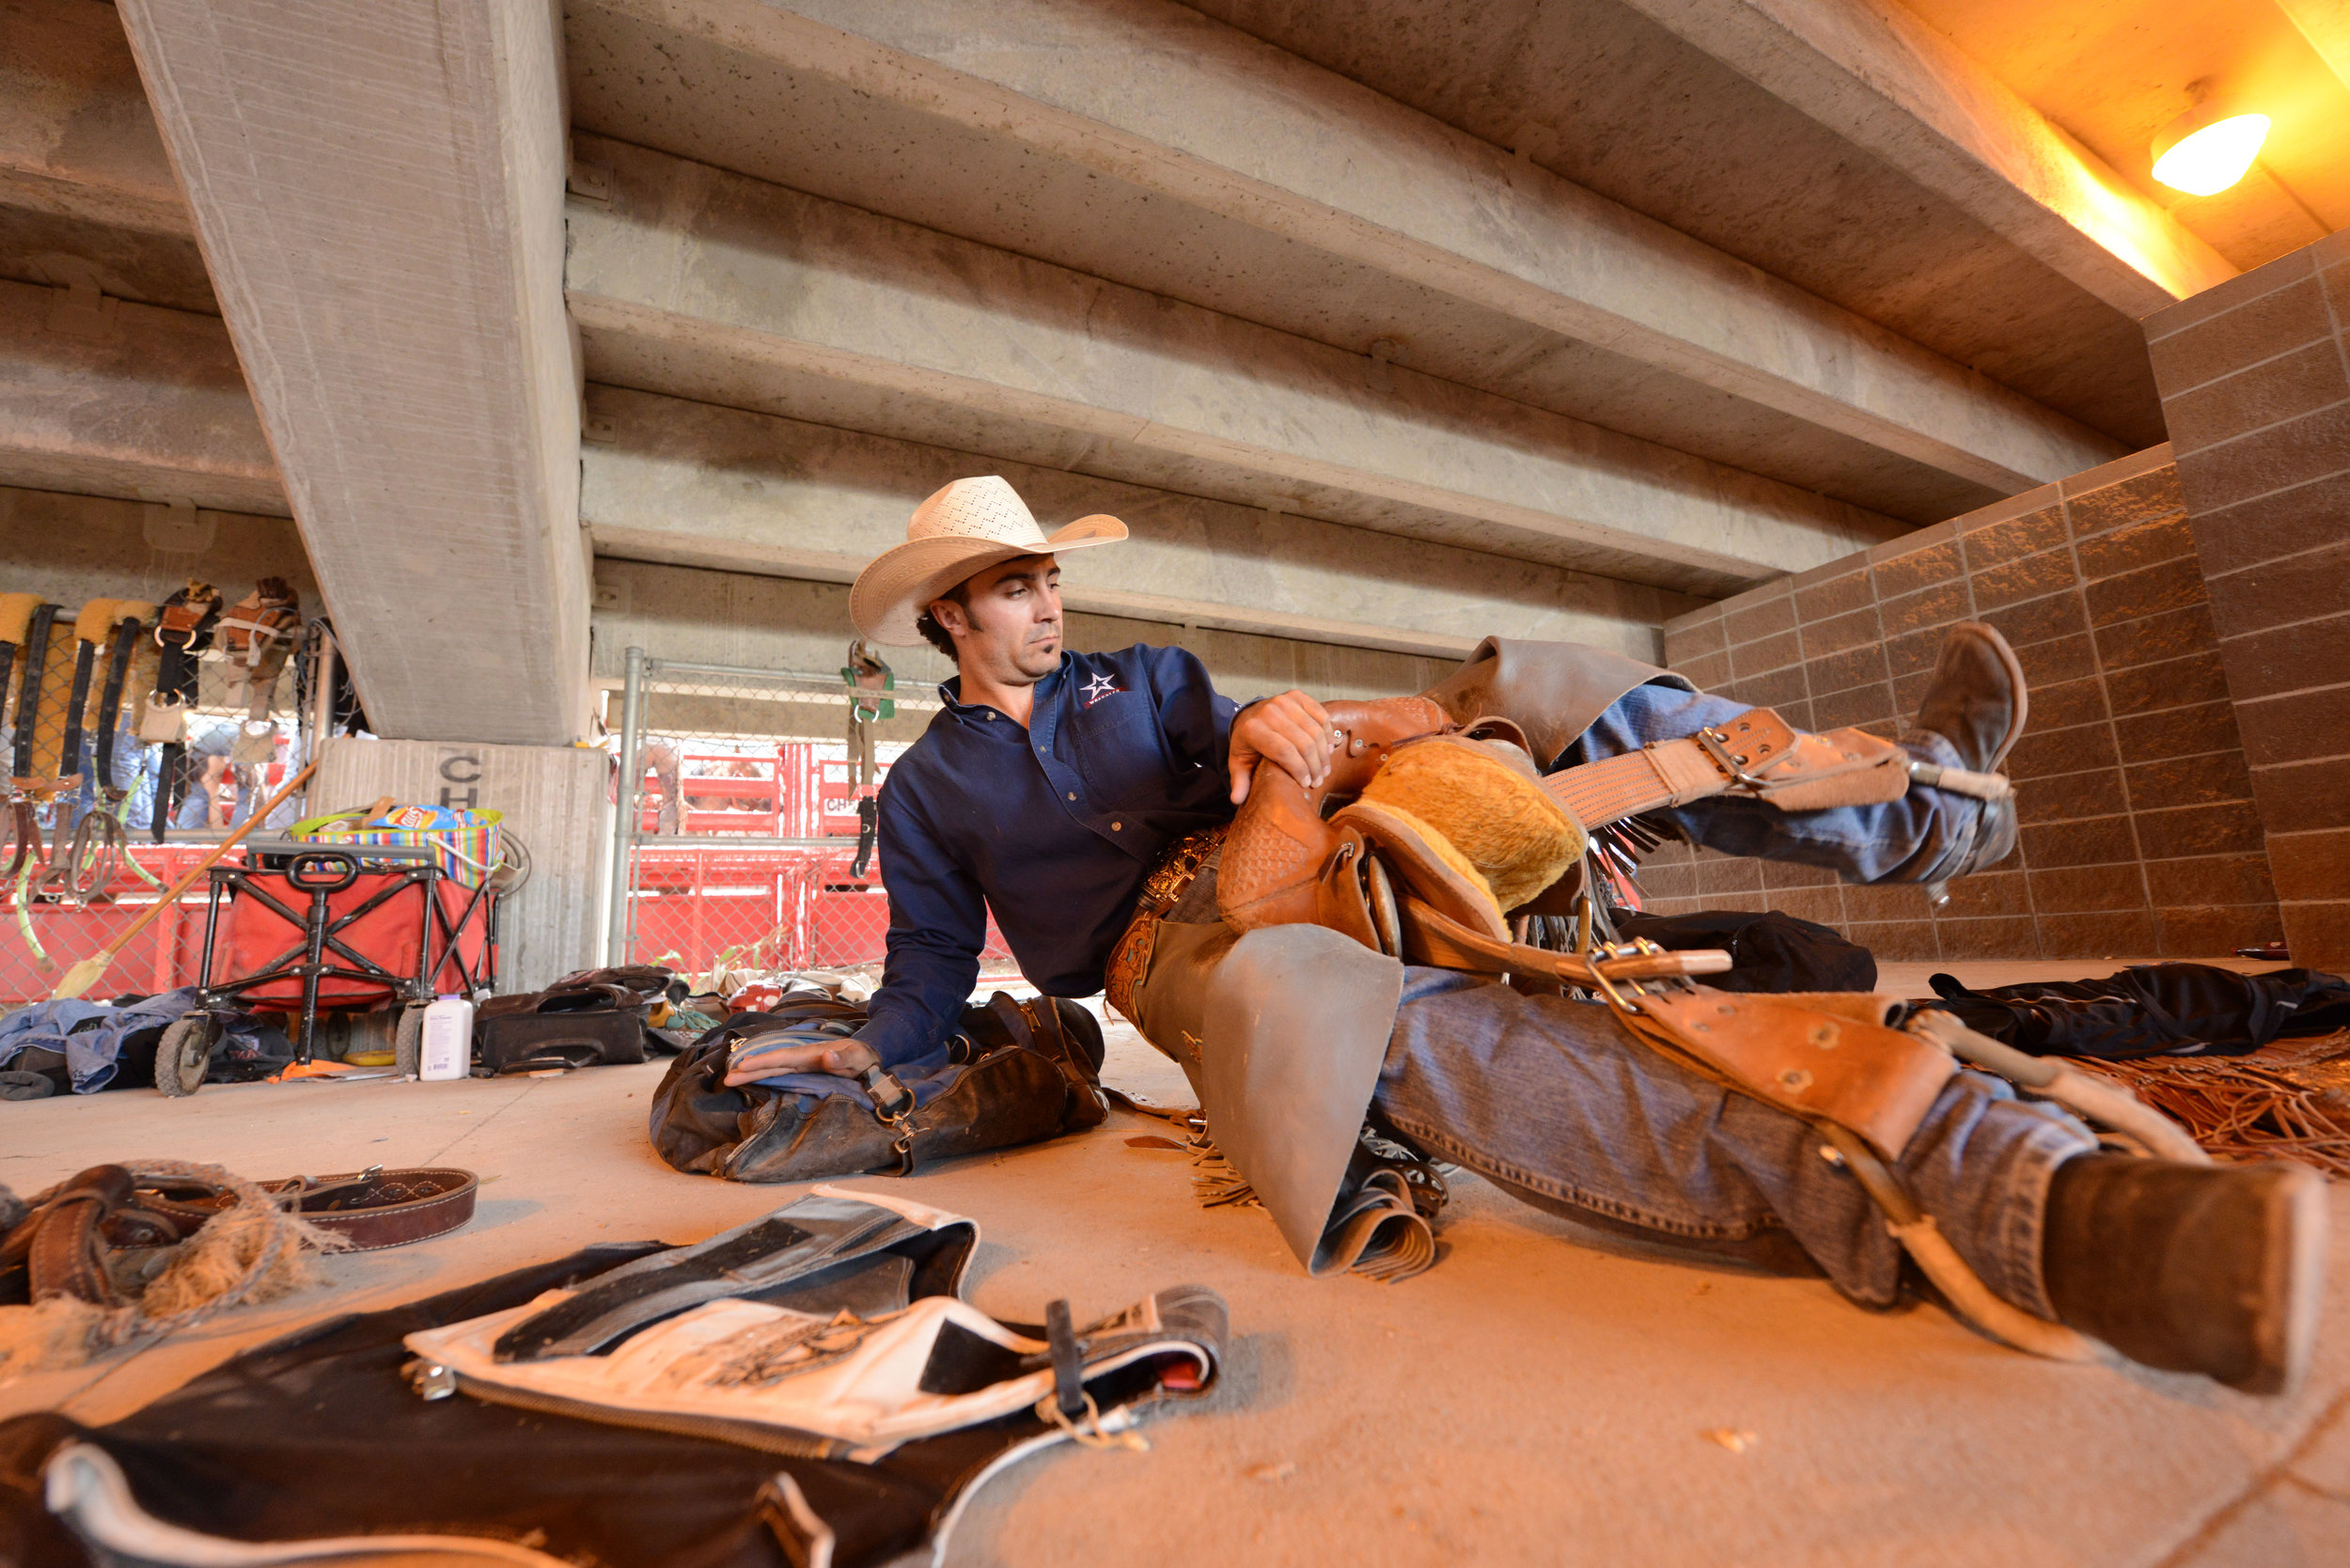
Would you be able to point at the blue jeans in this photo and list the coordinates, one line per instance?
(1555, 1101)
(1909, 839)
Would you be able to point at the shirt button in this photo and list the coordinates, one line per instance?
(1072, 794)
(1115, 827)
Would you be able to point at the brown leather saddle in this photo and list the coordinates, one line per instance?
(1431, 838)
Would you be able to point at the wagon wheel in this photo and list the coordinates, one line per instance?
(184, 1055)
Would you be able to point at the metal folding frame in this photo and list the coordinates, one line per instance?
(306, 960)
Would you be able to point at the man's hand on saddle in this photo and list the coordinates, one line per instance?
(844, 1058)
(1291, 732)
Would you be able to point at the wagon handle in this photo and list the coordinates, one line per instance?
(93, 968)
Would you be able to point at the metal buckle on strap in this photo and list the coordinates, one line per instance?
(893, 1106)
(1639, 946)
(1733, 766)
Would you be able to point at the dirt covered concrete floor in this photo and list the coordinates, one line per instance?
(1543, 1395)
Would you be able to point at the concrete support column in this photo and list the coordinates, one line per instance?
(555, 799)
(378, 190)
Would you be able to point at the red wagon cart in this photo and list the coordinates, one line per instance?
(307, 927)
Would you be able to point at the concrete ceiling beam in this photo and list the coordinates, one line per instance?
(1188, 133)
(76, 139)
(1877, 75)
(378, 192)
(692, 485)
(2327, 25)
(706, 285)
(101, 397)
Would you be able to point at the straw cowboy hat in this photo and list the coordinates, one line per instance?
(958, 532)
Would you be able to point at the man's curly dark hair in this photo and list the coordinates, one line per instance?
(927, 623)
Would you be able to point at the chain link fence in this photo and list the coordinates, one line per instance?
(742, 849)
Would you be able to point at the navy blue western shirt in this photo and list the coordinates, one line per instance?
(1053, 827)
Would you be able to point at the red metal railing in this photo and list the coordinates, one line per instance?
(163, 956)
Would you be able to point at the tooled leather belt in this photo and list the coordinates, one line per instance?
(377, 1208)
(1168, 881)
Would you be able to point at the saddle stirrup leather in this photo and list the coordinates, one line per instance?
(124, 644)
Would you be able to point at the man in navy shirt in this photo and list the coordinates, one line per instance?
(1052, 783)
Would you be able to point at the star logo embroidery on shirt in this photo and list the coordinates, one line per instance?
(1100, 687)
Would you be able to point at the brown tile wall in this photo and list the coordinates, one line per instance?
(2255, 382)
(2140, 834)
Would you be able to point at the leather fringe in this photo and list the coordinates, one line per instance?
(2285, 1102)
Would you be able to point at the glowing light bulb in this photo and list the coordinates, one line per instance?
(2206, 162)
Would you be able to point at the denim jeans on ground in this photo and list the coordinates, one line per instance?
(1901, 840)
(1554, 1098)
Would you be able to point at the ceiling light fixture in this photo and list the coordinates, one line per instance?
(2207, 149)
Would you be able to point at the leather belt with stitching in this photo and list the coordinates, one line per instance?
(377, 1208)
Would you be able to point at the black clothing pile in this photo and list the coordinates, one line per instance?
(1770, 951)
(2153, 1010)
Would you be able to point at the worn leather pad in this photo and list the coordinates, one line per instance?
(1814, 1056)
(1296, 1024)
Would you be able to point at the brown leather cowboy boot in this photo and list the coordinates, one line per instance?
(1978, 703)
(2211, 1269)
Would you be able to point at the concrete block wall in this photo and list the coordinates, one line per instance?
(2255, 380)
(2140, 834)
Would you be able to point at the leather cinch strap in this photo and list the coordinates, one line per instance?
(29, 696)
(1756, 754)
(110, 698)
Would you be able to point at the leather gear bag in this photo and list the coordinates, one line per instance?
(592, 1025)
(1018, 1072)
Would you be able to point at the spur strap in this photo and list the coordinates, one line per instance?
(377, 1208)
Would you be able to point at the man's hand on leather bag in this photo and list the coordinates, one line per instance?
(1291, 732)
(847, 1057)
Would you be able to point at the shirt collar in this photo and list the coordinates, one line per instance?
(950, 691)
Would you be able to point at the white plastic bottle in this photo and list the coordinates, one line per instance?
(446, 1049)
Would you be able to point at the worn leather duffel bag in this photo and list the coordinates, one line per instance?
(1016, 1071)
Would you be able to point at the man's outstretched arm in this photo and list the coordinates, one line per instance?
(1290, 730)
(937, 925)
